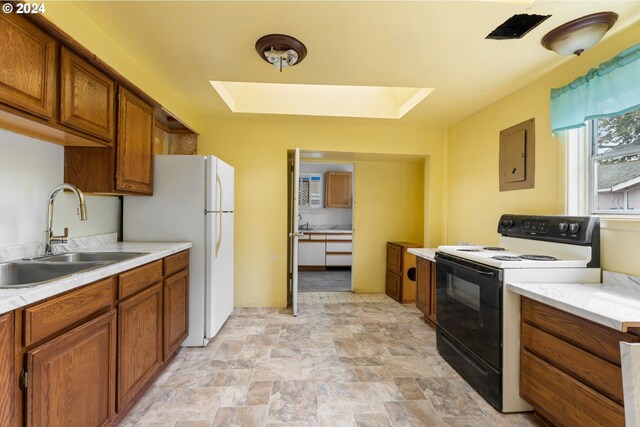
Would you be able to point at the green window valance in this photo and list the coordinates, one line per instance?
(610, 90)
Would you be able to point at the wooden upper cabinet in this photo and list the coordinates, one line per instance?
(27, 66)
(8, 377)
(337, 189)
(134, 159)
(71, 378)
(86, 97)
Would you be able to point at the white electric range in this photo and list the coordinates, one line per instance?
(479, 321)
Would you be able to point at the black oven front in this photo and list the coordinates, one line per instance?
(469, 333)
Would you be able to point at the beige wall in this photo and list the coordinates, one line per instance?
(390, 197)
(474, 202)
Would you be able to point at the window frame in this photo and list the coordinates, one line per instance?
(592, 158)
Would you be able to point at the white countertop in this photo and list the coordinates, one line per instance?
(426, 253)
(10, 299)
(615, 303)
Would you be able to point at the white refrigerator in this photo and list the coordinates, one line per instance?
(192, 201)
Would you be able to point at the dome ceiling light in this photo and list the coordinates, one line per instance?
(574, 37)
(281, 50)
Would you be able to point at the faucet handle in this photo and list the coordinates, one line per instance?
(66, 233)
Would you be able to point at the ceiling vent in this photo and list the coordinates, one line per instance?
(516, 26)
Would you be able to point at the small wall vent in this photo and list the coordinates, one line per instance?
(516, 26)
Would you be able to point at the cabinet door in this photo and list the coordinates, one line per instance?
(176, 311)
(393, 283)
(8, 380)
(338, 189)
(86, 97)
(394, 258)
(139, 342)
(432, 293)
(311, 253)
(27, 66)
(134, 159)
(72, 377)
(423, 275)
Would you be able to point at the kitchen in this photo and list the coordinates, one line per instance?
(455, 139)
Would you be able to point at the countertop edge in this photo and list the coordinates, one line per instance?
(11, 299)
(426, 253)
(603, 319)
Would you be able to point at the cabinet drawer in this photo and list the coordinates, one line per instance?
(45, 319)
(339, 247)
(589, 336)
(602, 376)
(135, 280)
(339, 236)
(339, 260)
(317, 237)
(562, 399)
(176, 262)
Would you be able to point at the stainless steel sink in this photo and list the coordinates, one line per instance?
(19, 274)
(92, 256)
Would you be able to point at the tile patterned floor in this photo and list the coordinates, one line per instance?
(368, 361)
(324, 281)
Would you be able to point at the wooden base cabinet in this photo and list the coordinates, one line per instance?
(85, 356)
(570, 367)
(71, 378)
(401, 272)
(426, 288)
(139, 342)
(176, 316)
(8, 377)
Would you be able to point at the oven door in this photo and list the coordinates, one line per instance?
(469, 305)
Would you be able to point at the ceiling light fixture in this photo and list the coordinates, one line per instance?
(578, 35)
(281, 50)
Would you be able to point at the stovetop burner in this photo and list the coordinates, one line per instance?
(470, 250)
(494, 248)
(506, 258)
(539, 257)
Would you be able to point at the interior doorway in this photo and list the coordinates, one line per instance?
(325, 225)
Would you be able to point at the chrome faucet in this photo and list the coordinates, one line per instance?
(49, 238)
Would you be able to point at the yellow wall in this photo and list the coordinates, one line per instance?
(474, 201)
(398, 200)
(390, 196)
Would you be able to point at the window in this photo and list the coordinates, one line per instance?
(615, 164)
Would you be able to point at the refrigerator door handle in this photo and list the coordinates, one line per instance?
(219, 224)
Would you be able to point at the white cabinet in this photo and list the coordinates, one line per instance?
(339, 247)
(311, 253)
(334, 260)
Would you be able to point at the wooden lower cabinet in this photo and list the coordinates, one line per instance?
(8, 377)
(570, 367)
(176, 316)
(426, 288)
(139, 342)
(87, 355)
(71, 378)
(401, 274)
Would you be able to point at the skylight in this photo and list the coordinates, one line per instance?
(320, 100)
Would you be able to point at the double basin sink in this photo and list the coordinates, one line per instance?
(37, 271)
